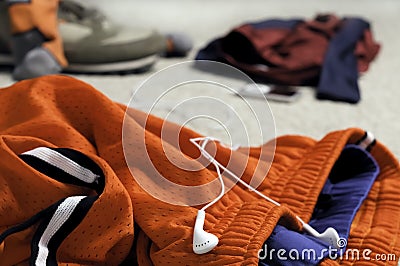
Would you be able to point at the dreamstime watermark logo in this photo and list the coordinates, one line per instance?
(203, 96)
(318, 254)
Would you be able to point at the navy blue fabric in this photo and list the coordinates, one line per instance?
(276, 23)
(338, 79)
(211, 52)
(346, 188)
(285, 247)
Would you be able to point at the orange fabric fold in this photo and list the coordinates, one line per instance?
(126, 222)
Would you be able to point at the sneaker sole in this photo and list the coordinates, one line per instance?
(124, 66)
(133, 66)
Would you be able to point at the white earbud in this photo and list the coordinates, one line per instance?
(203, 242)
(330, 235)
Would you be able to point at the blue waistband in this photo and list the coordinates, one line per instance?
(346, 188)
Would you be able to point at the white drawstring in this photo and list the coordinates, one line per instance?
(368, 140)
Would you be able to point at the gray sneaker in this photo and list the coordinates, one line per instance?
(37, 62)
(92, 44)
